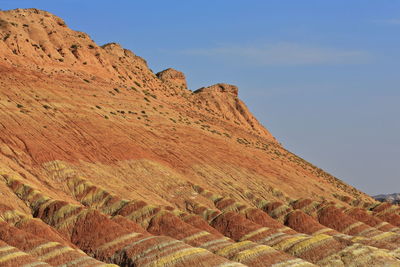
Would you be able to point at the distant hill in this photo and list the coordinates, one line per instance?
(391, 198)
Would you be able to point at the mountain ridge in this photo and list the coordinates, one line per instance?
(391, 198)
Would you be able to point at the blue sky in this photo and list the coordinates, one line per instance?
(322, 76)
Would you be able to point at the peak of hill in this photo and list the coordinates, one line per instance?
(173, 77)
(100, 155)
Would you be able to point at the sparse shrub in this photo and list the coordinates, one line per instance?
(46, 107)
(6, 37)
(19, 106)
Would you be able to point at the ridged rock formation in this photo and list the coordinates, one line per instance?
(104, 163)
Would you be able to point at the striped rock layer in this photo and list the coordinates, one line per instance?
(108, 229)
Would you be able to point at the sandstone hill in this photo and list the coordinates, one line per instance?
(104, 163)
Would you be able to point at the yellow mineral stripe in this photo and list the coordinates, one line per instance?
(359, 250)
(12, 215)
(368, 231)
(301, 264)
(34, 264)
(243, 255)
(64, 210)
(154, 254)
(43, 246)
(282, 229)
(68, 221)
(357, 239)
(253, 233)
(139, 241)
(195, 236)
(115, 207)
(12, 256)
(351, 226)
(165, 246)
(380, 225)
(218, 242)
(55, 253)
(273, 237)
(287, 243)
(383, 235)
(321, 231)
(287, 263)
(301, 247)
(76, 261)
(231, 264)
(118, 240)
(348, 237)
(165, 261)
(135, 215)
(339, 254)
(6, 248)
(235, 246)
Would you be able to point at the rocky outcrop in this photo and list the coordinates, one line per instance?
(222, 100)
(173, 77)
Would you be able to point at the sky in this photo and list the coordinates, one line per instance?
(322, 76)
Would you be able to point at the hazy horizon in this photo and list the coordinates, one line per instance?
(320, 76)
